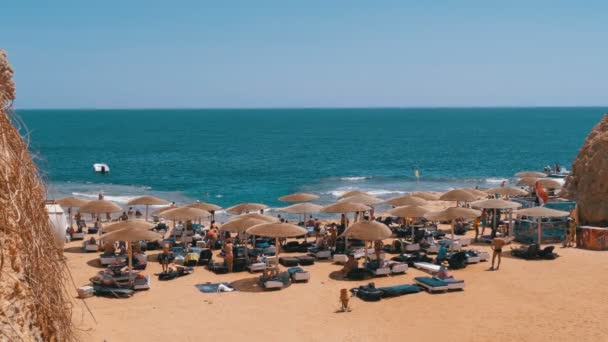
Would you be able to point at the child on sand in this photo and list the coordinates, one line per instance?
(344, 299)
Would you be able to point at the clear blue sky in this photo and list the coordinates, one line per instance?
(306, 53)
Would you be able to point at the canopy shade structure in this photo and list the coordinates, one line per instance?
(368, 231)
(507, 191)
(100, 207)
(353, 193)
(458, 195)
(530, 174)
(495, 204)
(246, 207)
(362, 199)
(345, 207)
(147, 201)
(184, 213)
(302, 208)
(540, 212)
(129, 224)
(298, 197)
(409, 211)
(425, 195)
(406, 200)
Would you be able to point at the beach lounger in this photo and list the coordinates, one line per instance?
(172, 275)
(372, 256)
(451, 245)
(116, 292)
(454, 284)
(358, 253)
(410, 259)
(432, 284)
(526, 252)
(78, 236)
(340, 258)
(291, 247)
(379, 269)
(298, 274)
(257, 267)
(218, 268)
(288, 261)
(458, 260)
(86, 291)
(368, 293)
(399, 290)
(141, 282)
(411, 247)
(305, 260)
(427, 267)
(270, 250)
(90, 247)
(431, 249)
(278, 282)
(397, 267)
(111, 259)
(319, 254)
(92, 230)
(482, 255)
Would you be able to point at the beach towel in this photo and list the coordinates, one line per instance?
(214, 287)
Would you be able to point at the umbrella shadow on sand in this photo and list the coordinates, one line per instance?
(75, 249)
(247, 285)
(95, 263)
(338, 275)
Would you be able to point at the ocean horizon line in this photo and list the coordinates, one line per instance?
(307, 108)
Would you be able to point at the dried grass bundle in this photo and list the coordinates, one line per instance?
(34, 303)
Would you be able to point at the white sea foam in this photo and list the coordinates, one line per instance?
(496, 180)
(117, 199)
(354, 178)
(374, 192)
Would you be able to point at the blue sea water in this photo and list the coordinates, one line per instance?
(257, 155)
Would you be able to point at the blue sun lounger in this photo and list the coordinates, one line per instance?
(434, 284)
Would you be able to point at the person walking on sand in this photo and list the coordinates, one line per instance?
(476, 223)
(497, 244)
(484, 221)
(228, 256)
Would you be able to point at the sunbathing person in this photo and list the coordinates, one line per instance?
(350, 265)
(92, 241)
(497, 244)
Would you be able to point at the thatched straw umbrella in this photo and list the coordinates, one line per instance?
(129, 224)
(368, 200)
(496, 204)
(426, 195)
(299, 197)
(415, 211)
(129, 235)
(36, 304)
(476, 192)
(258, 216)
(246, 208)
(406, 200)
(98, 207)
(147, 201)
(71, 202)
(507, 191)
(458, 195)
(527, 181)
(549, 183)
(183, 214)
(277, 231)
(539, 213)
(302, 208)
(354, 193)
(345, 208)
(530, 174)
(451, 214)
(367, 231)
(210, 207)
(240, 225)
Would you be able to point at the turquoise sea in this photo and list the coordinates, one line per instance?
(256, 155)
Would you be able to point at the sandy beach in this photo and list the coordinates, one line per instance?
(558, 300)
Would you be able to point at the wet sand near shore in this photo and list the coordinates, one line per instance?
(549, 300)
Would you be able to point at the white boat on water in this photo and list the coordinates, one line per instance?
(101, 167)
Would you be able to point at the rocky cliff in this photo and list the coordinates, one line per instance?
(587, 183)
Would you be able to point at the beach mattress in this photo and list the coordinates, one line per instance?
(77, 236)
(112, 291)
(111, 259)
(432, 284)
(288, 261)
(399, 290)
(306, 260)
(427, 267)
(432, 249)
(372, 256)
(368, 293)
(256, 267)
(298, 274)
(454, 284)
(340, 258)
(322, 254)
(142, 283)
(91, 247)
(473, 259)
(411, 247)
(398, 267)
(86, 291)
